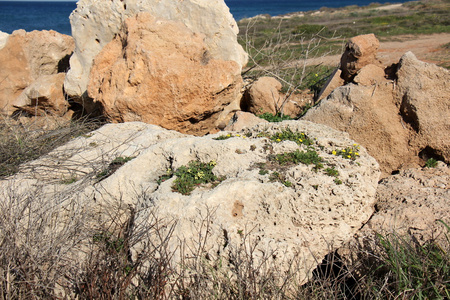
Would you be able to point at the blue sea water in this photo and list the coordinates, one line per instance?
(45, 15)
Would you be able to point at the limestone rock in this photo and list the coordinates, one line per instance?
(160, 72)
(424, 94)
(25, 57)
(369, 114)
(370, 75)
(45, 95)
(402, 123)
(3, 38)
(412, 201)
(306, 218)
(332, 83)
(96, 22)
(359, 52)
(242, 120)
(263, 96)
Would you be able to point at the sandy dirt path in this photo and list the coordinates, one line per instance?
(426, 47)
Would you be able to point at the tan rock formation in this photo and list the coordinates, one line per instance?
(160, 72)
(263, 96)
(96, 22)
(305, 219)
(332, 83)
(242, 120)
(44, 96)
(3, 38)
(411, 202)
(424, 96)
(359, 52)
(401, 123)
(25, 57)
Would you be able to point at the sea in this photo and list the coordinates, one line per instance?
(47, 15)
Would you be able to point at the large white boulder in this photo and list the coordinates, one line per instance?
(300, 213)
(3, 38)
(96, 22)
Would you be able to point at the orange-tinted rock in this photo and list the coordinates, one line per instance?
(159, 72)
(360, 51)
(44, 96)
(25, 57)
(370, 75)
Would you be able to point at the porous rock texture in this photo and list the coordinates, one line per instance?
(424, 95)
(160, 72)
(96, 22)
(25, 57)
(307, 219)
(384, 115)
(412, 202)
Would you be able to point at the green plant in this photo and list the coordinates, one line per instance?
(288, 135)
(194, 174)
(113, 166)
(164, 177)
(223, 137)
(274, 117)
(307, 157)
(416, 271)
(71, 179)
(349, 152)
(332, 172)
(431, 163)
(280, 177)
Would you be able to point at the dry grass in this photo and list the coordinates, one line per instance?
(58, 248)
(29, 138)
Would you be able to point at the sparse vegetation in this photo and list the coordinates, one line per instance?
(431, 163)
(274, 118)
(189, 177)
(23, 142)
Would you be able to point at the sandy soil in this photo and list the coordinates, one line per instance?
(426, 47)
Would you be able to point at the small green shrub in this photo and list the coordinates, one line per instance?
(194, 174)
(349, 152)
(332, 172)
(307, 157)
(431, 163)
(288, 135)
(274, 118)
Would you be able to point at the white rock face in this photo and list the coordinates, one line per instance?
(3, 38)
(95, 23)
(307, 218)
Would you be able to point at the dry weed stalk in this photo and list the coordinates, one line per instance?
(284, 57)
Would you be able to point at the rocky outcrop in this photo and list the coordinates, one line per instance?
(298, 212)
(44, 96)
(412, 202)
(263, 96)
(359, 51)
(423, 94)
(160, 72)
(402, 122)
(3, 38)
(25, 57)
(95, 23)
(242, 120)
